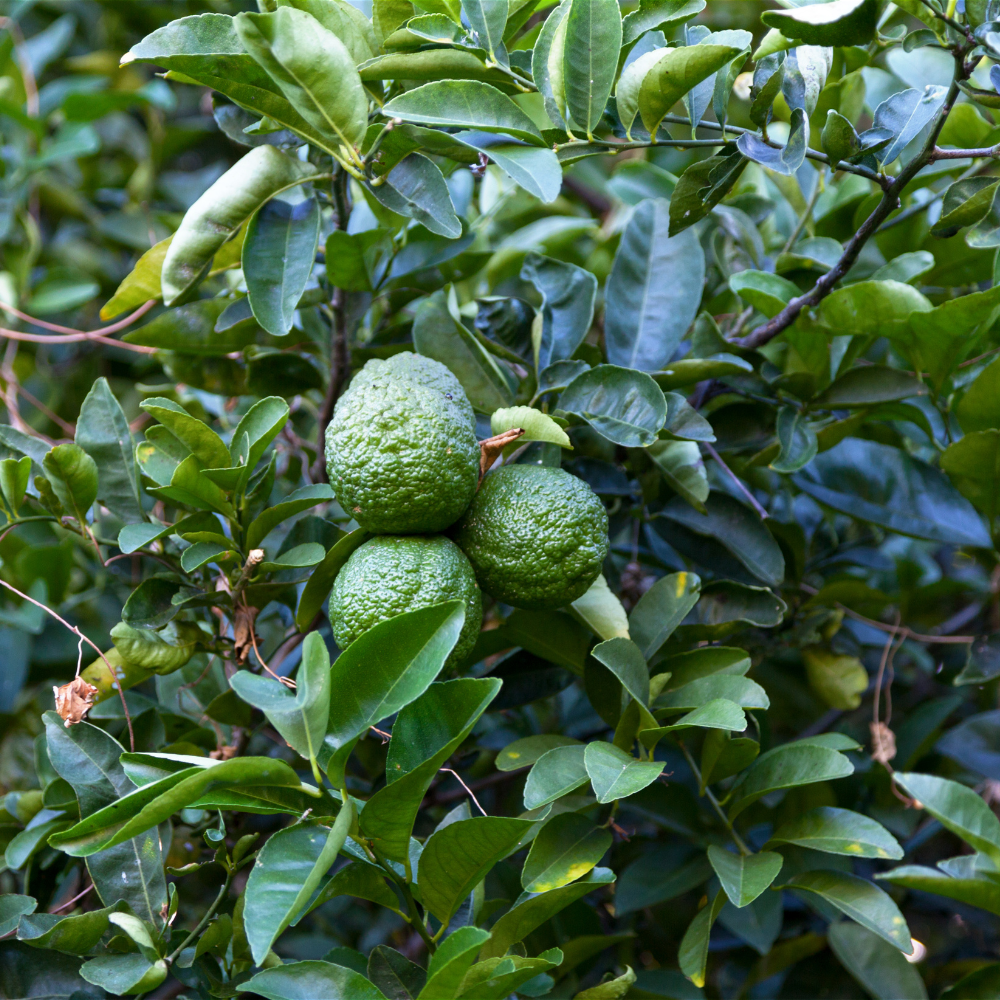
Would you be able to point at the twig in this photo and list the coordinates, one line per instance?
(115, 682)
(70, 902)
(813, 198)
(287, 681)
(720, 812)
(74, 334)
(472, 796)
(761, 513)
(203, 923)
(960, 154)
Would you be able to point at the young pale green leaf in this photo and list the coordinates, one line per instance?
(162, 651)
(653, 291)
(311, 979)
(531, 912)
(965, 203)
(841, 22)
(874, 963)
(287, 872)
(744, 878)
(566, 848)
(15, 475)
(860, 900)
(625, 406)
(218, 214)
(838, 831)
(568, 294)
(741, 690)
(615, 774)
(443, 716)
(593, 38)
(693, 953)
(465, 104)
(498, 978)
(150, 805)
(537, 426)
(839, 680)
(768, 293)
(601, 611)
(194, 434)
(73, 475)
(450, 963)
(555, 773)
(661, 609)
(456, 858)
(301, 718)
(681, 465)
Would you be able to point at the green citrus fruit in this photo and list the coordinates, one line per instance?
(536, 536)
(391, 574)
(401, 448)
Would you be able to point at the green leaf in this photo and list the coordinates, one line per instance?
(12, 908)
(652, 14)
(497, 978)
(737, 529)
(568, 294)
(973, 464)
(868, 386)
(965, 203)
(593, 37)
(465, 104)
(880, 308)
(15, 475)
(450, 963)
(877, 966)
(345, 21)
(320, 583)
(287, 872)
(192, 329)
(768, 293)
(983, 892)
(704, 662)
(309, 980)
(300, 718)
(601, 611)
(278, 256)
(456, 858)
(956, 808)
(218, 214)
(838, 679)
(71, 935)
(610, 989)
(162, 651)
(302, 499)
(702, 186)
(625, 660)
(983, 984)
(102, 431)
(653, 291)
(979, 408)
(488, 20)
(838, 831)
(387, 668)
(536, 170)
(313, 69)
(531, 912)
(537, 426)
(693, 953)
(555, 773)
(661, 609)
(625, 406)
(744, 878)
(150, 805)
(674, 74)
(566, 848)
(719, 713)
(438, 334)
(803, 762)
(700, 691)
(796, 438)
(259, 426)
(194, 434)
(547, 69)
(842, 22)
(524, 752)
(784, 160)
(73, 475)
(394, 973)
(860, 900)
(894, 490)
(616, 774)
(124, 975)
(89, 758)
(443, 716)
(360, 880)
(722, 756)
(416, 188)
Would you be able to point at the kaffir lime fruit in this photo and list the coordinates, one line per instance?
(401, 448)
(536, 536)
(391, 574)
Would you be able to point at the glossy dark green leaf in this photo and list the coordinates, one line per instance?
(320, 582)
(443, 716)
(450, 963)
(983, 984)
(309, 980)
(524, 752)
(874, 963)
(972, 464)
(565, 849)
(615, 774)
(466, 104)
(124, 975)
(978, 409)
(568, 293)
(693, 953)
(744, 878)
(494, 978)
(766, 292)
(896, 491)
(842, 22)
(278, 256)
(868, 386)
(102, 431)
(192, 329)
(700, 691)
(555, 773)
(796, 438)
(860, 900)
(75, 934)
(702, 186)
(654, 290)
(533, 910)
(288, 870)
(416, 188)
(73, 475)
(661, 609)
(394, 974)
(457, 857)
(302, 499)
(838, 831)
(965, 203)
(627, 407)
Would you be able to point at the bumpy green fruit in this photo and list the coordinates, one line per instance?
(391, 574)
(535, 536)
(401, 448)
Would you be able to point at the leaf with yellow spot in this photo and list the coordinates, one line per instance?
(566, 848)
(839, 831)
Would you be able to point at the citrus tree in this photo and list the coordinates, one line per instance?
(500, 499)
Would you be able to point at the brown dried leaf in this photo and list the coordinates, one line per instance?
(74, 700)
(490, 449)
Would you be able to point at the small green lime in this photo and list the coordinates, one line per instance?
(401, 448)
(391, 574)
(536, 536)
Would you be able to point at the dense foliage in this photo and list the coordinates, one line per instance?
(732, 266)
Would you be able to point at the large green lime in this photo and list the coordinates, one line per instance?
(401, 449)
(392, 574)
(536, 536)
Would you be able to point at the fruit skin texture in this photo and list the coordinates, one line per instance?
(536, 536)
(392, 574)
(401, 451)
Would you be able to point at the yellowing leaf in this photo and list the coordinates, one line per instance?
(838, 680)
